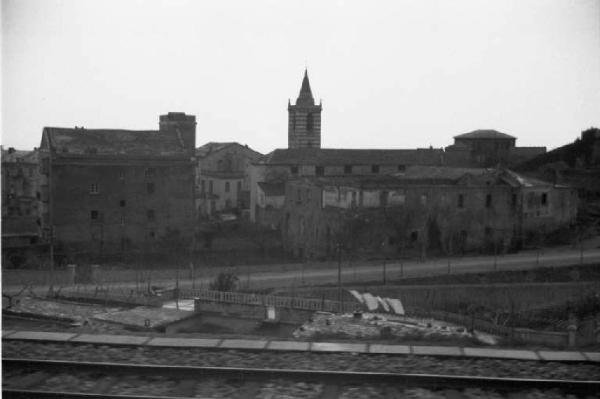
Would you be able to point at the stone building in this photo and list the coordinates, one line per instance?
(421, 210)
(107, 191)
(222, 178)
(490, 148)
(21, 233)
(305, 157)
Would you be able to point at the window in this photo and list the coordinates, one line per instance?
(94, 188)
(309, 122)
(239, 186)
(401, 168)
(150, 172)
(94, 215)
(461, 201)
(202, 188)
(152, 235)
(320, 171)
(150, 214)
(122, 220)
(348, 169)
(210, 186)
(150, 188)
(122, 203)
(121, 175)
(513, 201)
(227, 187)
(544, 199)
(414, 236)
(299, 195)
(374, 168)
(294, 170)
(308, 194)
(488, 201)
(423, 199)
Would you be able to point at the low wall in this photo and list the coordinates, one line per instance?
(252, 311)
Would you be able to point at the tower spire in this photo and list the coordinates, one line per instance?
(305, 97)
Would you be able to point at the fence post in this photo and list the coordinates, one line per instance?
(572, 330)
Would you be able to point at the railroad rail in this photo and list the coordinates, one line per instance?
(32, 378)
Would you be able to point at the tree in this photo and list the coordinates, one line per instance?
(224, 281)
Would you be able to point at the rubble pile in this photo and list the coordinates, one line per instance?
(375, 326)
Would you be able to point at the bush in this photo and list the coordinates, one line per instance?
(224, 282)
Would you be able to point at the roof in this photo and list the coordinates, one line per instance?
(485, 134)
(12, 155)
(80, 141)
(305, 97)
(213, 147)
(429, 175)
(272, 189)
(19, 227)
(441, 173)
(333, 156)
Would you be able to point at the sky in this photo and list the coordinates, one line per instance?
(390, 74)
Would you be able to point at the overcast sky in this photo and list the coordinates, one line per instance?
(391, 74)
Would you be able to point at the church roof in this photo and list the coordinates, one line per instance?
(305, 97)
(484, 134)
(335, 156)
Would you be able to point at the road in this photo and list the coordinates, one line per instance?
(357, 273)
(351, 273)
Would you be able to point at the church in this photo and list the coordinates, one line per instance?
(304, 157)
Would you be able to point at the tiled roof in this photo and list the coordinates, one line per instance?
(333, 156)
(484, 134)
(211, 147)
(428, 175)
(81, 141)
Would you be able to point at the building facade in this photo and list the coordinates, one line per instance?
(491, 148)
(420, 211)
(112, 191)
(222, 183)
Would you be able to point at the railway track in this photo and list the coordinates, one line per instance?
(30, 378)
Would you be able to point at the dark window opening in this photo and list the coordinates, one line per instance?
(239, 186)
(152, 234)
(309, 122)
(374, 168)
(294, 170)
(150, 214)
(461, 201)
(202, 186)
(94, 188)
(95, 215)
(122, 203)
(210, 186)
(320, 171)
(348, 169)
(544, 199)
(513, 201)
(401, 168)
(227, 187)
(150, 172)
(150, 188)
(488, 201)
(414, 236)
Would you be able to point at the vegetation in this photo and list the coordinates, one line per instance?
(224, 282)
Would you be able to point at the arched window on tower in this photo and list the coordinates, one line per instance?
(293, 121)
(309, 122)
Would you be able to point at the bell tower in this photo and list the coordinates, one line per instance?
(304, 119)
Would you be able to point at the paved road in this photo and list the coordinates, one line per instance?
(481, 264)
(355, 272)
